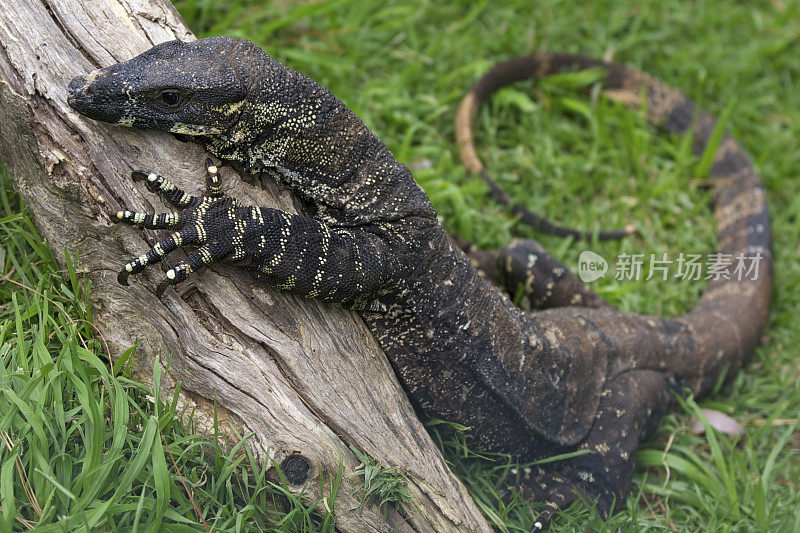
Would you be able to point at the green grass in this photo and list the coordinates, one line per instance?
(382, 486)
(83, 447)
(80, 429)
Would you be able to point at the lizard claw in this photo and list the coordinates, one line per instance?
(161, 287)
(168, 190)
(196, 260)
(545, 517)
(173, 276)
(157, 253)
(213, 182)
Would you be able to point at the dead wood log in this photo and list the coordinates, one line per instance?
(305, 378)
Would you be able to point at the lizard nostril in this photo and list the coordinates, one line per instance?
(75, 85)
(78, 92)
(79, 87)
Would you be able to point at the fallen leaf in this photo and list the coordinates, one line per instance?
(717, 420)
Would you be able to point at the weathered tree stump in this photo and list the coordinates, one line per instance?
(305, 378)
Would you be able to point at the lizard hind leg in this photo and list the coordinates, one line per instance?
(525, 266)
(631, 406)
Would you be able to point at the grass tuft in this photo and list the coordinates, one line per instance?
(382, 486)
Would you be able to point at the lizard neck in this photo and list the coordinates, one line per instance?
(300, 132)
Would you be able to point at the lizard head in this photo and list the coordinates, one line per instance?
(191, 88)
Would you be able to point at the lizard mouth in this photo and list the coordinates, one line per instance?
(82, 99)
(78, 92)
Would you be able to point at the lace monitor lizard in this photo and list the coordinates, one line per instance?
(575, 373)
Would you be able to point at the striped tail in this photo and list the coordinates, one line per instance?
(729, 318)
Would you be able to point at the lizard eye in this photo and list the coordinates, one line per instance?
(170, 98)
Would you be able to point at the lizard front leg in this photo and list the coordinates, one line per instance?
(291, 252)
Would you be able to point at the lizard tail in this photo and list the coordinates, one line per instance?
(502, 74)
(726, 324)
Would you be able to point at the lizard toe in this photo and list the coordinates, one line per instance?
(174, 195)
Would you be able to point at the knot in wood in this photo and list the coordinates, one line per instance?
(296, 469)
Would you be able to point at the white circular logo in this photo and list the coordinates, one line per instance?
(591, 266)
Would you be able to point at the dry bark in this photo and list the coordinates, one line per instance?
(302, 376)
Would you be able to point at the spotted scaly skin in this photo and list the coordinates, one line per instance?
(572, 374)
